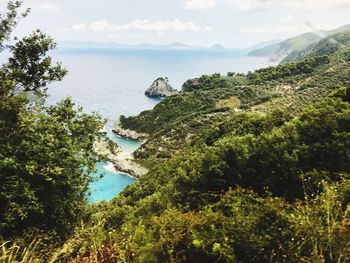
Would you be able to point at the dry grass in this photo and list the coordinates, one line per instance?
(14, 253)
(232, 103)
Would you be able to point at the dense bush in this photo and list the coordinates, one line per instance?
(46, 154)
(204, 82)
(305, 66)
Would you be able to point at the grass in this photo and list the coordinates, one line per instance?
(15, 253)
(232, 103)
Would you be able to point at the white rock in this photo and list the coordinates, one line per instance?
(160, 88)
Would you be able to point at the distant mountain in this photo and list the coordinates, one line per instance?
(171, 46)
(93, 44)
(279, 51)
(325, 47)
(266, 51)
(180, 46)
(217, 47)
(340, 29)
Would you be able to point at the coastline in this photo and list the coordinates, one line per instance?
(122, 161)
(118, 129)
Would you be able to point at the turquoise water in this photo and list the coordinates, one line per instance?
(126, 145)
(111, 184)
(112, 82)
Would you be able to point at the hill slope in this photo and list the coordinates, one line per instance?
(326, 46)
(278, 52)
(207, 100)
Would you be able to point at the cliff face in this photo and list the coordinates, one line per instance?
(160, 88)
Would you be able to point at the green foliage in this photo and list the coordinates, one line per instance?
(29, 66)
(9, 20)
(46, 153)
(305, 66)
(185, 209)
(324, 47)
(204, 82)
(240, 226)
(292, 44)
(14, 252)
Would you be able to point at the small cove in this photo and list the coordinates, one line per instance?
(110, 182)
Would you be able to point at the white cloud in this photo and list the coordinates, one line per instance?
(288, 18)
(80, 27)
(258, 5)
(45, 7)
(100, 26)
(281, 29)
(200, 4)
(174, 25)
(255, 30)
(291, 29)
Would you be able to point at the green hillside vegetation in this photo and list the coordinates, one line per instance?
(326, 46)
(46, 155)
(253, 189)
(285, 47)
(288, 49)
(177, 120)
(243, 168)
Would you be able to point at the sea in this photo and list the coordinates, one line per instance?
(112, 82)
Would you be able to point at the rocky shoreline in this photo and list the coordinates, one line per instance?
(122, 161)
(129, 133)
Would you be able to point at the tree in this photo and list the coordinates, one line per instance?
(46, 154)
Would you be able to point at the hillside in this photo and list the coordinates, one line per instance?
(259, 180)
(243, 168)
(326, 46)
(280, 51)
(207, 100)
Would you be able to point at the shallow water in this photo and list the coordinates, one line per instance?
(111, 184)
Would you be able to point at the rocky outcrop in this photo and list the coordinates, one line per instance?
(105, 148)
(118, 129)
(160, 88)
(122, 161)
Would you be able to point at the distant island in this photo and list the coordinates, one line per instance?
(171, 46)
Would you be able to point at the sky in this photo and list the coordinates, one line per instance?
(232, 23)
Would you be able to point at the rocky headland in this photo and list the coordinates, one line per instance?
(160, 88)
